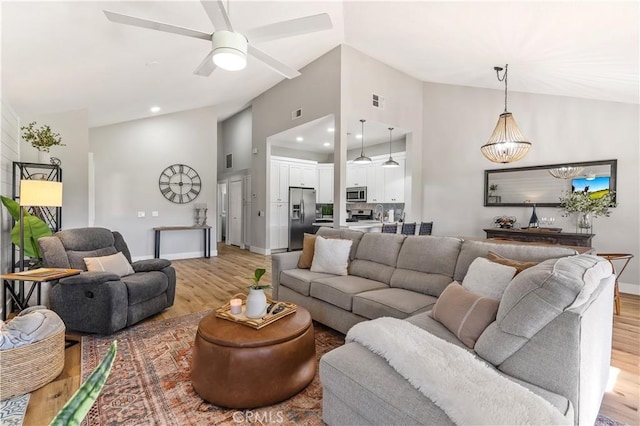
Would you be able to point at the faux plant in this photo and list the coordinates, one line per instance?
(493, 187)
(80, 403)
(34, 228)
(41, 138)
(256, 280)
(583, 202)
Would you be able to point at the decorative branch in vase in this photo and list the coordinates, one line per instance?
(586, 205)
(42, 139)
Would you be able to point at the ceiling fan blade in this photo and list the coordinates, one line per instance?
(272, 63)
(293, 27)
(152, 25)
(217, 14)
(206, 67)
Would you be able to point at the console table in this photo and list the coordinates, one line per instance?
(541, 235)
(206, 232)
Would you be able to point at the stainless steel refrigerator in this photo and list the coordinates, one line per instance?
(302, 214)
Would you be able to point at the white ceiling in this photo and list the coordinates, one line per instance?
(59, 56)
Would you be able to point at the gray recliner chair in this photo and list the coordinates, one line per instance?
(104, 302)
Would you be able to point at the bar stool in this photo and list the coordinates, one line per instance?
(626, 257)
(389, 228)
(425, 228)
(408, 228)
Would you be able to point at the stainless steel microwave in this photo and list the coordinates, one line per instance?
(357, 194)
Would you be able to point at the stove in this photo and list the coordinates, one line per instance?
(357, 215)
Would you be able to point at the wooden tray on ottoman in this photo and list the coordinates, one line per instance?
(224, 312)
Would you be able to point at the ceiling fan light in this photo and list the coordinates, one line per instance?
(229, 50)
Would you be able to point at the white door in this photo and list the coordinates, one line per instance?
(235, 213)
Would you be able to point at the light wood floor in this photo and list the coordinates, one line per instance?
(208, 283)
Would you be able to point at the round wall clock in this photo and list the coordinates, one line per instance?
(179, 183)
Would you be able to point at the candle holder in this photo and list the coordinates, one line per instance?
(200, 214)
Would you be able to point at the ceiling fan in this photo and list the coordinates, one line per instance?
(229, 47)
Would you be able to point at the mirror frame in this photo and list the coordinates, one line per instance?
(612, 182)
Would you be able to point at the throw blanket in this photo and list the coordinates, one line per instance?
(466, 389)
(29, 326)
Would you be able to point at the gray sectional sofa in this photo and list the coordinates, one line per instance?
(552, 334)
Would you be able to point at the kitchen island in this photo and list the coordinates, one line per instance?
(361, 225)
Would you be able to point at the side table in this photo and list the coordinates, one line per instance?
(626, 257)
(36, 277)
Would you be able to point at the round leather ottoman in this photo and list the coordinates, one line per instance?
(237, 366)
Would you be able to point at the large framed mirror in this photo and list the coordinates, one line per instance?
(544, 185)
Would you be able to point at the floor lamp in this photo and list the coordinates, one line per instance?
(37, 193)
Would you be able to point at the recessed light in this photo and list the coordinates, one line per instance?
(155, 109)
(326, 144)
(299, 138)
(358, 136)
(331, 130)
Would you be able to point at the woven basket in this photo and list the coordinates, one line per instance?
(27, 368)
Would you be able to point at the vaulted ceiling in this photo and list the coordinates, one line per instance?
(59, 56)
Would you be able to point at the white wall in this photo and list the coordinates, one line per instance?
(459, 120)
(9, 152)
(235, 138)
(363, 76)
(317, 92)
(129, 158)
(73, 127)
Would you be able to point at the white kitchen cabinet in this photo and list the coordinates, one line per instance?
(375, 183)
(324, 190)
(279, 225)
(279, 182)
(303, 175)
(356, 175)
(394, 183)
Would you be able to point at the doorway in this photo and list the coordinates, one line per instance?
(234, 235)
(222, 212)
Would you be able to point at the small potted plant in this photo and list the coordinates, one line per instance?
(257, 300)
(42, 139)
(586, 204)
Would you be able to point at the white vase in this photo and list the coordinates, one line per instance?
(256, 304)
(44, 157)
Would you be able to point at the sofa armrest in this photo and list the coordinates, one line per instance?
(282, 262)
(90, 278)
(147, 265)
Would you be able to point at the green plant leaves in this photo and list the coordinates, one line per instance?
(34, 228)
(258, 274)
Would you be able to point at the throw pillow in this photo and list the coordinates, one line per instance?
(487, 278)
(464, 313)
(308, 249)
(331, 256)
(520, 265)
(115, 263)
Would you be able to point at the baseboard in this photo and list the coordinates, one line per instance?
(260, 250)
(629, 288)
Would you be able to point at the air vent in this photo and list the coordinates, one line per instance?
(229, 161)
(377, 101)
(296, 113)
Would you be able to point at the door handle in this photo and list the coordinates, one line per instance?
(302, 210)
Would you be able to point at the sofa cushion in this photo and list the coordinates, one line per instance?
(537, 296)
(487, 278)
(76, 258)
(308, 250)
(471, 249)
(339, 291)
(331, 256)
(420, 282)
(464, 313)
(345, 234)
(116, 263)
(520, 265)
(299, 280)
(86, 239)
(143, 286)
(390, 302)
(377, 256)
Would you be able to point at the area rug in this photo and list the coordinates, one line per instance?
(150, 380)
(12, 410)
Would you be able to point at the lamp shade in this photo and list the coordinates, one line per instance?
(42, 193)
(229, 50)
(507, 143)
